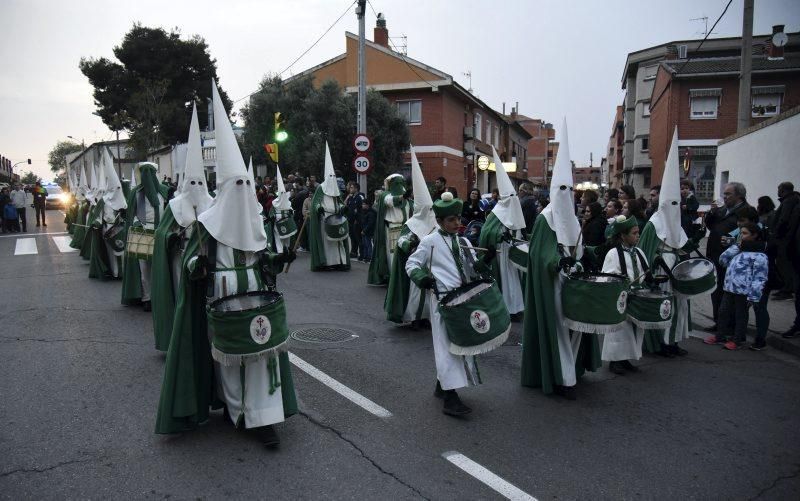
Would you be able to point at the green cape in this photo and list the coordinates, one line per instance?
(79, 228)
(541, 365)
(187, 390)
(162, 294)
(397, 295)
(70, 217)
(492, 233)
(86, 243)
(315, 243)
(378, 268)
(99, 267)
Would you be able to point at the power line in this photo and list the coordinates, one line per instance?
(308, 49)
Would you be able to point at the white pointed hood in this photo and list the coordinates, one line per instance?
(329, 185)
(234, 217)
(193, 198)
(91, 192)
(560, 213)
(667, 219)
(423, 221)
(83, 187)
(133, 178)
(508, 209)
(102, 183)
(281, 201)
(251, 173)
(113, 195)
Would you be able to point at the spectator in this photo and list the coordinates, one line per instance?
(689, 207)
(298, 203)
(312, 184)
(530, 207)
(472, 208)
(439, 186)
(766, 212)
(264, 199)
(634, 208)
(340, 181)
(453, 190)
(594, 225)
(20, 200)
(353, 201)
(368, 217)
(611, 194)
(720, 221)
(492, 200)
(39, 202)
(4, 200)
(10, 217)
(613, 209)
(783, 232)
(652, 205)
(626, 192)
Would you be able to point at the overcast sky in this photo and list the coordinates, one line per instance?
(557, 59)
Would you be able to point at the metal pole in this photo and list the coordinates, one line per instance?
(119, 158)
(361, 121)
(745, 109)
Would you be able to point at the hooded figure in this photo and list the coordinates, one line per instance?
(328, 231)
(71, 213)
(663, 240)
(79, 225)
(393, 208)
(503, 230)
(280, 224)
(553, 356)
(404, 301)
(106, 237)
(245, 368)
(145, 210)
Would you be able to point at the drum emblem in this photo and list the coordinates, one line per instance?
(666, 309)
(622, 301)
(260, 329)
(479, 321)
(341, 230)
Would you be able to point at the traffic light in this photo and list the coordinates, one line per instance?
(280, 134)
(272, 151)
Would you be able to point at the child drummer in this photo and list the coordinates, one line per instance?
(441, 263)
(625, 344)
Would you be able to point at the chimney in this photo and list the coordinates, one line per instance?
(381, 34)
(672, 52)
(775, 52)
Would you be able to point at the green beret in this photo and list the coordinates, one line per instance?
(624, 225)
(447, 206)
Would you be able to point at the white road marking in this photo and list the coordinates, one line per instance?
(31, 234)
(63, 244)
(351, 395)
(26, 246)
(496, 483)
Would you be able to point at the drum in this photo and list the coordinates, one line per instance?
(594, 302)
(475, 317)
(694, 277)
(115, 236)
(518, 255)
(286, 227)
(247, 326)
(140, 243)
(650, 309)
(336, 227)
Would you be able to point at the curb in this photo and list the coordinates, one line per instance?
(774, 339)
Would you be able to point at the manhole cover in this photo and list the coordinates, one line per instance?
(323, 335)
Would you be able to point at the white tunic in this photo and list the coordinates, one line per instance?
(335, 250)
(625, 343)
(434, 253)
(394, 218)
(680, 316)
(510, 280)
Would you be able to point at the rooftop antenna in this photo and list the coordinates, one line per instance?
(468, 74)
(705, 23)
(400, 44)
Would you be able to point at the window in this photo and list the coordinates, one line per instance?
(478, 127)
(411, 111)
(767, 100)
(704, 103)
(488, 135)
(646, 143)
(650, 72)
(682, 50)
(646, 109)
(496, 141)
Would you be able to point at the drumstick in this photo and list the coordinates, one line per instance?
(297, 242)
(484, 249)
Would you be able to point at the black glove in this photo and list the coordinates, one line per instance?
(342, 211)
(566, 263)
(200, 268)
(288, 256)
(491, 253)
(320, 211)
(427, 283)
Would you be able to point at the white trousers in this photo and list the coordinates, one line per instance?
(453, 371)
(249, 395)
(568, 341)
(144, 268)
(623, 344)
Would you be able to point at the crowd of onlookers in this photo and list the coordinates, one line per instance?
(13, 203)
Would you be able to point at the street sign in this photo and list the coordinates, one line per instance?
(362, 164)
(362, 143)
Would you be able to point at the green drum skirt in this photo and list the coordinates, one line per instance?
(475, 317)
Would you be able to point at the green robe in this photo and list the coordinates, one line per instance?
(188, 389)
(162, 295)
(378, 268)
(79, 226)
(541, 364)
(70, 217)
(99, 266)
(315, 242)
(397, 293)
(492, 233)
(86, 242)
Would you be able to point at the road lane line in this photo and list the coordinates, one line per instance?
(63, 244)
(351, 395)
(505, 489)
(33, 235)
(25, 246)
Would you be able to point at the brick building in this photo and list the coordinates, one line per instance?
(542, 149)
(616, 142)
(450, 127)
(701, 98)
(587, 174)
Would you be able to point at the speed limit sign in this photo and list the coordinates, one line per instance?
(362, 164)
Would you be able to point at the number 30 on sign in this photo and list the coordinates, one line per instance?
(362, 164)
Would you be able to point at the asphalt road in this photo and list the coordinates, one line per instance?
(80, 379)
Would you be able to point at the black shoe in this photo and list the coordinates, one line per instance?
(416, 325)
(781, 296)
(616, 368)
(267, 435)
(677, 350)
(453, 406)
(438, 392)
(710, 328)
(567, 392)
(758, 346)
(147, 306)
(665, 352)
(792, 333)
(628, 366)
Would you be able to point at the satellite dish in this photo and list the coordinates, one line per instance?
(779, 39)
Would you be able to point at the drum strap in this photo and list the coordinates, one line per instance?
(624, 265)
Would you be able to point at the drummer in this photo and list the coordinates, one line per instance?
(280, 225)
(105, 259)
(625, 344)
(443, 262)
(393, 208)
(502, 230)
(327, 253)
(224, 257)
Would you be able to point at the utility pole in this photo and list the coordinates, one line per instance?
(745, 109)
(361, 119)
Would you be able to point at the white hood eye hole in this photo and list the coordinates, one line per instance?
(192, 183)
(674, 202)
(248, 182)
(562, 187)
(200, 183)
(239, 182)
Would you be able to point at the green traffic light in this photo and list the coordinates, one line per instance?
(281, 136)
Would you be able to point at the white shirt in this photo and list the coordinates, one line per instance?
(434, 252)
(19, 198)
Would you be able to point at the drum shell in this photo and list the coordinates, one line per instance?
(233, 340)
(116, 237)
(140, 243)
(695, 286)
(336, 227)
(650, 310)
(286, 227)
(460, 319)
(594, 307)
(518, 255)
